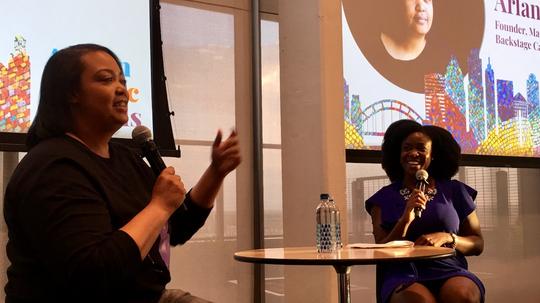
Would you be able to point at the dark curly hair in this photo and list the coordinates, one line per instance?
(445, 150)
(59, 83)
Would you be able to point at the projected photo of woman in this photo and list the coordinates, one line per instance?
(404, 36)
(404, 40)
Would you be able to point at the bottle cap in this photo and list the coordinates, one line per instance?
(325, 196)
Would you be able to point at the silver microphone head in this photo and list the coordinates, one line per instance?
(141, 134)
(422, 175)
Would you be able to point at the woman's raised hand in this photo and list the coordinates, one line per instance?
(225, 154)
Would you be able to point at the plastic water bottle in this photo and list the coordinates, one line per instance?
(328, 227)
(337, 225)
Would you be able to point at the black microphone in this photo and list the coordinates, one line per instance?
(143, 137)
(421, 182)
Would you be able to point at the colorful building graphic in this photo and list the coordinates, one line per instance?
(442, 110)
(505, 98)
(455, 88)
(15, 90)
(436, 99)
(475, 95)
(491, 105)
(532, 93)
(490, 118)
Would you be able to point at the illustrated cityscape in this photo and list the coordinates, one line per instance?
(486, 119)
(15, 90)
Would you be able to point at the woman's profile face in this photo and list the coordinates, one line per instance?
(415, 153)
(418, 15)
(102, 98)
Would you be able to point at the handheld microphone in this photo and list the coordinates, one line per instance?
(421, 182)
(143, 137)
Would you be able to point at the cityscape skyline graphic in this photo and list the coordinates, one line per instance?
(483, 112)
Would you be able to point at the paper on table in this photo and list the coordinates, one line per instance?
(391, 244)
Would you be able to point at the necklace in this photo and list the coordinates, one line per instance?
(406, 193)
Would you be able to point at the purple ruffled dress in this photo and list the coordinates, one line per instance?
(452, 203)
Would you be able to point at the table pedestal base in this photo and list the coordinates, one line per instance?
(344, 283)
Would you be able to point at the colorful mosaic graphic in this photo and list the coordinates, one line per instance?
(513, 137)
(352, 137)
(490, 118)
(476, 96)
(15, 90)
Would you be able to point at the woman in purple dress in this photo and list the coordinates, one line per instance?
(448, 217)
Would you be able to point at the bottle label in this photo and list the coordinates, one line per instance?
(325, 238)
(338, 236)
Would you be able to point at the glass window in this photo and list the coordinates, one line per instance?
(198, 51)
(199, 58)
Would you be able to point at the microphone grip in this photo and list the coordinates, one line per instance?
(417, 212)
(153, 156)
(421, 185)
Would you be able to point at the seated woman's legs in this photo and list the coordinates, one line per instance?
(459, 290)
(415, 293)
